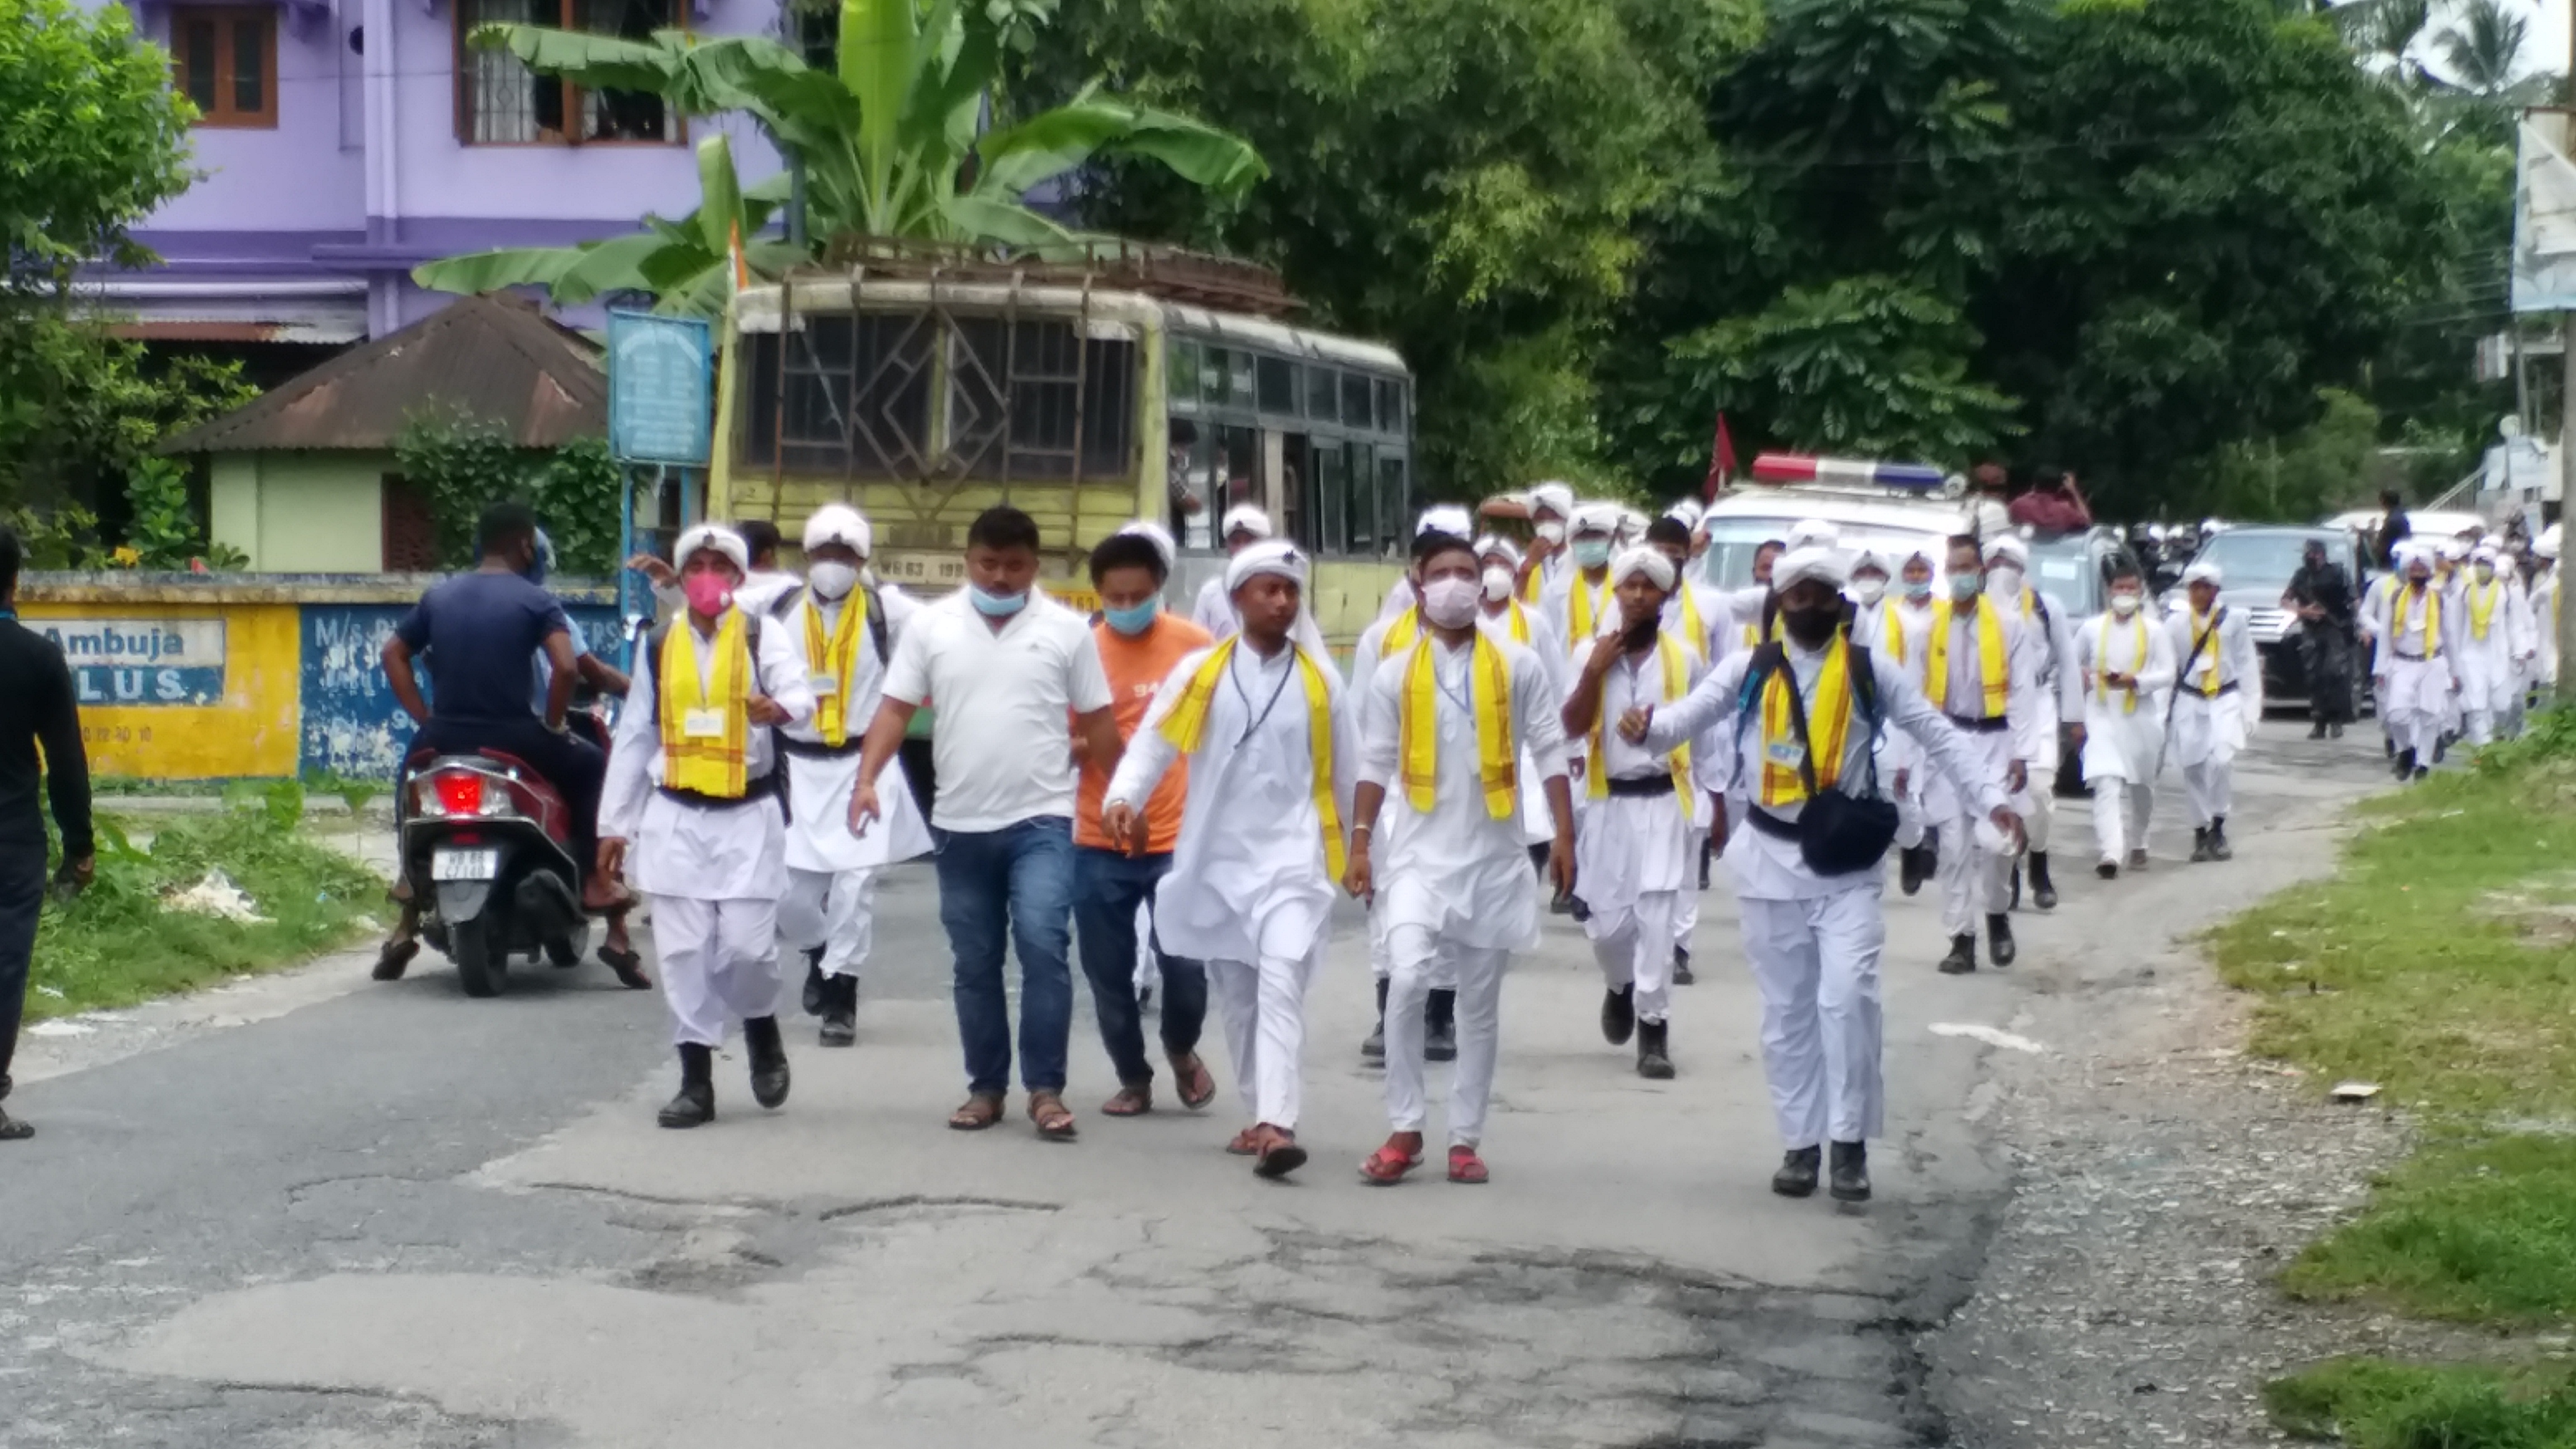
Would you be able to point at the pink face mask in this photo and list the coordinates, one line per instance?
(708, 593)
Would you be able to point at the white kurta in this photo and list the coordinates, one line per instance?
(2487, 664)
(2415, 673)
(1974, 879)
(2544, 626)
(2124, 728)
(2211, 727)
(819, 786)
(1634, 855)
(1214, 610)
(1537, 828)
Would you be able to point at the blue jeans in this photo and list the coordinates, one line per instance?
(1018, 878)
(1108, 886)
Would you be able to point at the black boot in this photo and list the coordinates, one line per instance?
(2015, 903)
(840, 1011)
(2405, 764)
(815, 993)
(1851, 1172)
(2317, 731)
(1374, 1049)
(2107, 870)
(1963, 955)
(1619, 1015)
(695, 1106)
(1797, 1174)
(1654, 1063)
(1704, 853)
(768, 1061)
(2219, 849)
(1440, 1027)
(2043, 891)
(2200, 845)
(1999, 941)
(1682, 974)
(1913, 868)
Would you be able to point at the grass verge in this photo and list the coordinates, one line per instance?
(117, 944)
(2374, 1404)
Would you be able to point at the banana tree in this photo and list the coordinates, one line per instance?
(686, 264)
(892, 139)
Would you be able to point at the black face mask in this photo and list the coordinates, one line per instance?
(1642, 634)
(1812, 628)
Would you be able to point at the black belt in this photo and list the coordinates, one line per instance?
(1976, 726)
(1640, 786)
(2224, 690)
(760, 788)
(817, 750)
(2410, 658)
(1772, 825)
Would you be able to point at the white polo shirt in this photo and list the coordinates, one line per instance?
(1003, 747)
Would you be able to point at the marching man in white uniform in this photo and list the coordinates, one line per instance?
(1245, 525)
(844, 632)
(2411, 666)
(1701, 616)
(2544, 611)
(2127, 663)
(1908, 627)
(1272, 742)
(2216, 703)
(691, 810)
(1634, 852)
(2493, 648)
(1580, 605)
(2059, 696)
(1795, 720)
(1445, 725)
(1505, 614)
(1981, 667)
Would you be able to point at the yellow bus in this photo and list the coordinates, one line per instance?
(925, 386)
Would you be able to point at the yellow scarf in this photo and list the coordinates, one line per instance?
(2482, 603)
(2432, 620)
(1676, 684)
(2102, 661)
(1828, 728)
(1520, 621)
(707, 762)
(2205, 647)
(1580, 607)
(1990, 657)
(834, 662)
(1401, 634)
(1186, 726)
(1892, 636)
(1489, 685)
(1694, 628)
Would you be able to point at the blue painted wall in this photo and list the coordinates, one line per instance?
(351, 724)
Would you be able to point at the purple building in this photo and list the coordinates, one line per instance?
(343, 142)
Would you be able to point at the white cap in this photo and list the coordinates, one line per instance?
(1445, 518)
(2547, 544)
(1632, 524)
(1553, 496)
(1596, 518)
(2486, 553)
(1492, 544)
(1868, 558)
(1244, 518)
(1157, 535)
(1648, 561)
(2202, 571)
(2453, 549)
(1813, 533)
(715, 536)
(2010, 547)
(1799, 565)
(1688, 511)
(1270, 556)
(838, 523)
(2414, 551)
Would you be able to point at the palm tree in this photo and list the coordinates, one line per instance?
(892, 141)
(2483, 48)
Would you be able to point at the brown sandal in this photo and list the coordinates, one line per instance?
(1191, 1078)
(1131, 1101)
(1053, 1118)
(981, 1111)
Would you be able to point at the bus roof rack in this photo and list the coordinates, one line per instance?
(1171, 273)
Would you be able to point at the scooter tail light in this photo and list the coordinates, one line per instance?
(460, 792)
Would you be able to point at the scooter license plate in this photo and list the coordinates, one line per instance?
(464, 864)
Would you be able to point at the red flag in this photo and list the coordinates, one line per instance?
(1721, 462)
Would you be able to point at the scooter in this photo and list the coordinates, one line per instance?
(486, 849)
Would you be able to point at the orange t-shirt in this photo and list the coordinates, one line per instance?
(1136, 669)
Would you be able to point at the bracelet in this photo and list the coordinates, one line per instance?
(1369, 829)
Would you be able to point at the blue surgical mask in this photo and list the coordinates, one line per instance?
(1592, 553)
(1135, 621)
(996, 606)
(1964, 587)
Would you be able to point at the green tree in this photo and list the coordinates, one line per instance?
(464, 465)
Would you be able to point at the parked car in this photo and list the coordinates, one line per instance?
(2255, 563)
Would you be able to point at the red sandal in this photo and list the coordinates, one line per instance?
(1465, 1166)
(1387, 1166)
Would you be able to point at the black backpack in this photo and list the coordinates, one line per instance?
(1838, 833)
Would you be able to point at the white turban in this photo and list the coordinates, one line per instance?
(1688, 511)
(838, 523)
(715, 536)
(2413, 552)
(1868, 558)
(2453, 549)
(1270, 556)
(1596, 518)
(1641, 560)
(2203, 571)
(2547, 544)
(1812, 532)
(1157, 535)
(2487, 553)
(1492, 544)
(2010, 547)
(1445, 518)
(1798, 565)
(1244, 518)
(1554, 497)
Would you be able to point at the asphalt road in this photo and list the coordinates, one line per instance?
(312, 1211)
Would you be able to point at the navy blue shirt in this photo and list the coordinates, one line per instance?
(477, 631)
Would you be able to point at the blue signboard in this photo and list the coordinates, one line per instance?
(661, 393)
(141, 661)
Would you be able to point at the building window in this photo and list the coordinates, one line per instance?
(225, 60)
(410, 533)
(500, 102)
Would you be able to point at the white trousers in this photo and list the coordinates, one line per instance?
(1264, 1007)
(1444, 973)
(835, 910)
(1686, 912)
(2212, 787)
(1975, 881)
(2038, 807)
(2120, 814)
(1640, 954)
(1816, 962)
(719, 964)
(1419, 958)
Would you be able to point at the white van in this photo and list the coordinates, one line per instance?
(1891, 521)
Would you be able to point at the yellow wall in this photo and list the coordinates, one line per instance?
(301, 513)
(250, 730)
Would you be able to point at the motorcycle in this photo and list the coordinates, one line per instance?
(486, 848)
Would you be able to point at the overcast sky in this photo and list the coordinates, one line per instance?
(2547, 47)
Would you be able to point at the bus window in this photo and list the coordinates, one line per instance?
(1296, 464)
(1322, 393)
(1390, 406)
(1190, 462)
(1333, 493)
(1182, 388)
(1276, 383)
(1355, 402)
(1359, 474)
(1394, 501)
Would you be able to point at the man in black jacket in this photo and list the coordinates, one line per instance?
(36, 707)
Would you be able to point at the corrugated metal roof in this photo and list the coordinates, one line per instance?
(492, 357)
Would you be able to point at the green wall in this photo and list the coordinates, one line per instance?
(319, 513)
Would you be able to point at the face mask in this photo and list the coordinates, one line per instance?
(709, 595)
(2486, 573)
(1135, 621)
(1811, 628)
(2004, 579)
(996, 606)
(1964, 587)
(832, 580)
(2124, 604)
(1498, 583)
(1869, 591)
(1552, 532)
(1450, 603)
(1918, 589)
(1592, 553)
